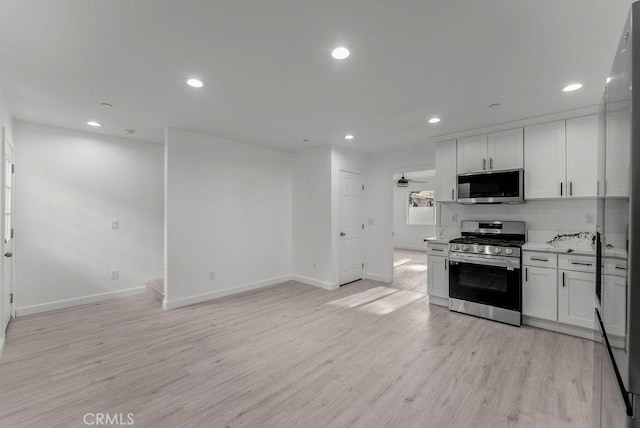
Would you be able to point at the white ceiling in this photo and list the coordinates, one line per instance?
(271, 79)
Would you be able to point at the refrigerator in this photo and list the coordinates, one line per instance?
(616, 398)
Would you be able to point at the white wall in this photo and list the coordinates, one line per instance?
(312, 216)
(229, 211)
(409, 236)
(379, 201)
(6, 122)
(69, 185)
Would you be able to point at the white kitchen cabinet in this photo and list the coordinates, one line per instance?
(617, 173)
(540, 292)
(505, 149)
(472, 154)
(438, 273)
(544, 160)
(576, 291)
(492, 152)
(446, 171)
(614, 298)
(561, 159)
(582, 157)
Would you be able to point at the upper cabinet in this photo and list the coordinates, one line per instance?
(618, 142)
(582, 156)
(496, 151)
(561, 159)
(446, 171)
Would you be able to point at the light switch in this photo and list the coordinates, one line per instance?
(114, 224)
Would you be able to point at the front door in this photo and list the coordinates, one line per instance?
(351, 227)
(7, 232)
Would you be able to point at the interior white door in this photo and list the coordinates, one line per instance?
(351, 227)
(7, 232)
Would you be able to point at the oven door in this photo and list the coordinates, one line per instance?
(488, 280)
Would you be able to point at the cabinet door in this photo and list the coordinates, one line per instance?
(576, 298)
(544, 161)
(582, 156)
(472, 154)
(505, 149)
(446, 171)
(437, 277)
(540, 293)
(614, 301)
(618, 144)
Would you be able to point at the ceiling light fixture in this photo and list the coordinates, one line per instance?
(195, 83)
(403, 182)
(340, 52)
(349, 137)
(94, 123)
(434, 120)
(608, 79)
(572, 87)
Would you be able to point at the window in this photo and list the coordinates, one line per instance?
(422, 208)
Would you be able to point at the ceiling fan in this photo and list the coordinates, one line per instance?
(404, 182)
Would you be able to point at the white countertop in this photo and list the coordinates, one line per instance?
(434, 240)
(548, 248)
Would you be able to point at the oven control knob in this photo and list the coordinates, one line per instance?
(508, 251)
(497, 250)
(456, 247)
(465, 248)
(481, 249)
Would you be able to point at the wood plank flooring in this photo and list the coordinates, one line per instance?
(291, 355)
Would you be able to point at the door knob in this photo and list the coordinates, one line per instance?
(8, 254)
(342, 233)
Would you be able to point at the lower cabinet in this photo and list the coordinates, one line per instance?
(614, 298)
(576, 293)
(438, 276)
(540, 293)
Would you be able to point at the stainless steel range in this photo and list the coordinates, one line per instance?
(484, 270)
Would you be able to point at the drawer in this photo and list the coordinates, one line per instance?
(438, 249)
(534, 258)
(577, 263)
(617, 267)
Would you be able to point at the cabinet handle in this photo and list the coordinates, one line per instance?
(621, 268)
(538, 259)
(560, 189)
(598, 188)
(571, 188)
(490, 163)
(526, 275)
(452, 195)
(437, 249)
(484, 164)
(445, 264)
(563, 279)
(581, 264)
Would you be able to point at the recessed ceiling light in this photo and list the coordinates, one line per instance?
(305, 140)
(434, 120)
(608, 79)
(340, 52)
(349, 137)
(94, 123)
(572, 87)
(195, 83)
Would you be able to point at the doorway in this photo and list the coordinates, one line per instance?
(351, 227)
(7, 286)
(414, 219)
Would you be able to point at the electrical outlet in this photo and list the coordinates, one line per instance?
(212, 276)
(115, 274)
(114, 224)
(589, 218)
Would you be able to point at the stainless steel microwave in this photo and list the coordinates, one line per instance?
(491, 187)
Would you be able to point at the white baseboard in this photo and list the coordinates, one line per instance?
(315, 282)
(375, 277)
(192, 300)
(67, 303)
(441, 301)
(408, 247)
(585, 333)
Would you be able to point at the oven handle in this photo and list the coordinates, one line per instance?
(487, 262)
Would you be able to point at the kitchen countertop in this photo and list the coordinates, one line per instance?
(613, 252)
(434, 240)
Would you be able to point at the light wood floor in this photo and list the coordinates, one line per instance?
(291, 356)
(411, 270)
